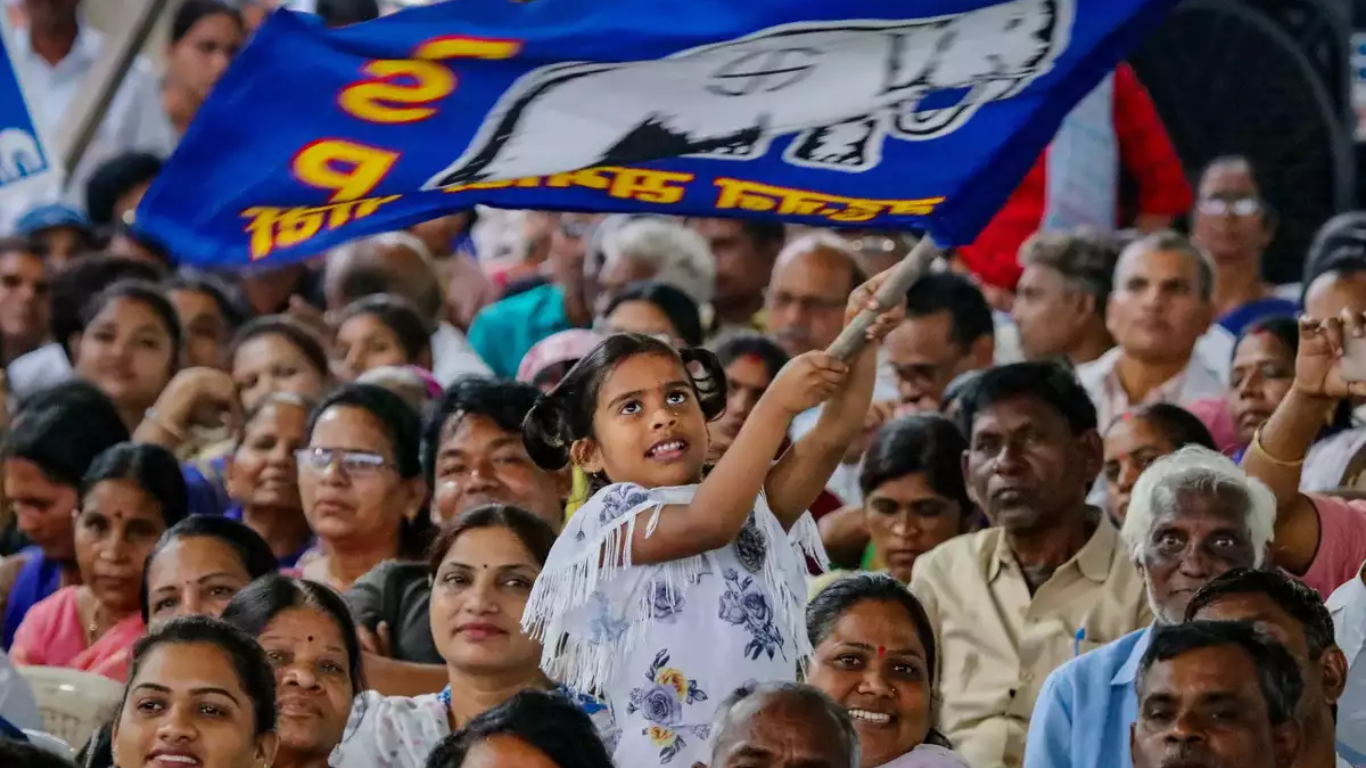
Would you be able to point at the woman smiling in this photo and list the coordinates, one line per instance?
(875, 656)
(199, 694)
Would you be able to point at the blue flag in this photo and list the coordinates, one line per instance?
(23, 158)
(870, 113)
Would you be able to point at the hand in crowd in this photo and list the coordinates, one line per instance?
(1323, 368)
(377, 641)
(197, 398)
(865, 297)
(807, 381)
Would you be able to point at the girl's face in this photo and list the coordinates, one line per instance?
(193, 576)
(44, 510)
(263, 473)
(1131, 445)
(874, 664)
(906, 518)
(271, 363)
(354, 491)
(313, 689)
(642, 317)
(365, 342)
(117, 527)
(187, 706)
(128, 353)
(478, 597)
(648, 427)
(200, 57)
(1263, 372)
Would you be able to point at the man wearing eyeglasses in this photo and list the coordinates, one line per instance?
(1234, 226)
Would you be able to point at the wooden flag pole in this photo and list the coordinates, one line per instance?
(916, 263)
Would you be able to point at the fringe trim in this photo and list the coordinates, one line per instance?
(584, 641)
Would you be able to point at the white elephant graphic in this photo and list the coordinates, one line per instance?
(20, 156)
(843, 86)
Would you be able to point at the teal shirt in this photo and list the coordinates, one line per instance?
(504, 331)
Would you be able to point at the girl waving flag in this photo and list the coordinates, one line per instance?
(677, 583)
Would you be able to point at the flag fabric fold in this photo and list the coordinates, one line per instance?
(867, 113)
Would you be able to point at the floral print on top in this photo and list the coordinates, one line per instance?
(664, 644)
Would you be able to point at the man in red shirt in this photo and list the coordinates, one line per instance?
(1146, 156)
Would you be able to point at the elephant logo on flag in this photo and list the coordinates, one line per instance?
(843, 88)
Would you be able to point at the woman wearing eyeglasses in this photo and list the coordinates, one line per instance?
(1234, 225)
(361, 484)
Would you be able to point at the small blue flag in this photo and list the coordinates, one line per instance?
(869, 113)
(24, 160)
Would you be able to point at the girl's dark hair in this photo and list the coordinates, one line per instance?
(151, 468)
(924, 443)
(404, 429)
(290, 330)
(63, 429)
(676, 305)
(115, 178)
(149, 294)
(566, 413)
(399, 316)
(1286, 330)
(549, 722)
(191, 12)
(1178, 425)
(252, 609)
(248, 660)
(250, 548)
(830, 604)
(753, 345)
(534, 533)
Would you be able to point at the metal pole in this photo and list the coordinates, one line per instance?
(91, 104)
(906, 272)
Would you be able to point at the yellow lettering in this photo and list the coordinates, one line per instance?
(462, 47)
(351, 171)
(398, 92)
(648, 186)
(273, 228)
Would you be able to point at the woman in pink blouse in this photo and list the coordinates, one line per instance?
(129, 497)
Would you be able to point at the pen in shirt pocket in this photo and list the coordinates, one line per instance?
(1076, 641)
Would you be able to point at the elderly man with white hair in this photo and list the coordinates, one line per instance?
(1192, 517)
(660, 250)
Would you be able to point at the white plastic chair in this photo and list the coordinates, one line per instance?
(73, 703)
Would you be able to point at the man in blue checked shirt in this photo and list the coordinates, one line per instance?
(1193, 516)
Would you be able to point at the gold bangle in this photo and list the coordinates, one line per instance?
(1261, 450)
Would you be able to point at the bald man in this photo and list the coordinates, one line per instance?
(783, 725)
(398, 263)
(811, 283)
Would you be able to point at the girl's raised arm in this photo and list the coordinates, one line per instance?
(799, 476)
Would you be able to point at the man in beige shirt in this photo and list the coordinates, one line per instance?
(1048, 581)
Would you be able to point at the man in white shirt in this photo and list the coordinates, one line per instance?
(1158, 310)
(1348, 606)
(55, 55)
